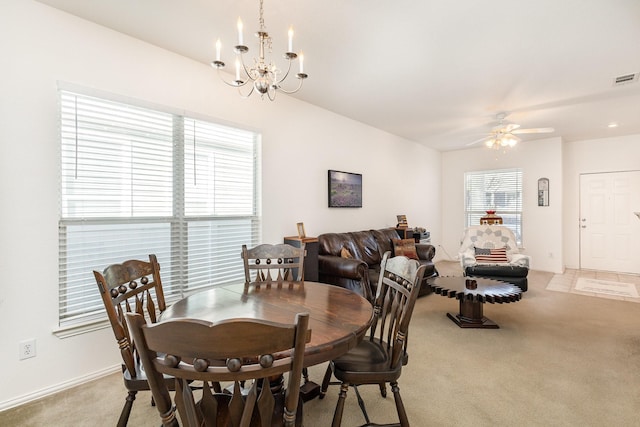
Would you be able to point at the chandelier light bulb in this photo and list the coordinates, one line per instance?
(240, 38)
(290, 39)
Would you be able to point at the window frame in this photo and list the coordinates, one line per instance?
(174, 253)
(510, 208)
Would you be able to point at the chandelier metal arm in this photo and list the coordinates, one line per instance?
(301, 80)
(246, 70)
(290, 56)
(271, 94)
(248, 94)
(234, 83)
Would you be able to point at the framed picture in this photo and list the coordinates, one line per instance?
(402, 221)
(301, 233)
(345, 189)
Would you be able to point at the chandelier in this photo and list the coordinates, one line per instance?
(265, 77)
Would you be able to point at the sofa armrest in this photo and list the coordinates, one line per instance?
(425, 251)
(350, 268)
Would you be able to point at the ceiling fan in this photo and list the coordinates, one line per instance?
(504, 135)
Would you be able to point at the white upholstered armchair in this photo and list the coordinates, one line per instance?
(482, 254)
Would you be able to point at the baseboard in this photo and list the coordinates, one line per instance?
(39, 394)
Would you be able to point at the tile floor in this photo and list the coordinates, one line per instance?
(566, 282)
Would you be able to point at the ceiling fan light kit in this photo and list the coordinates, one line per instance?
(505, 140)
(504, 135)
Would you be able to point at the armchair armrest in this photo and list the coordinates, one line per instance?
(425, 251)
(520, 260)
(350, 268)
(467, 258)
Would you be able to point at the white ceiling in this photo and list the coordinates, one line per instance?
(433, 71)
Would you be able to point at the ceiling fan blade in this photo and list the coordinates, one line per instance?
(510, 127)
(534, 130)
(484, 138)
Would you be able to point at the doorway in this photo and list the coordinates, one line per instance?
(609, 227)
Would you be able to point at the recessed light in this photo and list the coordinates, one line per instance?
(612, 125)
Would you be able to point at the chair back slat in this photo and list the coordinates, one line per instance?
(236, 405)
(398, 288)
(273, 264)
(184, 395)
(209, 406)
(254, 350)
(151, 308)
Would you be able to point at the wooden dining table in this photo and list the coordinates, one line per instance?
(338, 317)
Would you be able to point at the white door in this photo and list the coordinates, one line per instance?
(609, 227)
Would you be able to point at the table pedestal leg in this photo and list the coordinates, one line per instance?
(471, 316)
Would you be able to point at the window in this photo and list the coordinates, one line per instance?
(499, 190)
(136, 181)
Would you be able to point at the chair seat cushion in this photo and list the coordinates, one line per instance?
(367, 356)
(497, 270)
(515, 275)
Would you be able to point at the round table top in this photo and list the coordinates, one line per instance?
(338, 317)
(486, 290)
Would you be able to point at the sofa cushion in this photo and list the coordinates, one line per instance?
(332, 243)
(406, 247)
(366, 247)
(384, 239)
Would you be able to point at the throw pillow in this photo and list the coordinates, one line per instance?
(492, 256)
(406, 247)
(344, 253)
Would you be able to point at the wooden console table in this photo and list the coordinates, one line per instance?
(311, 259)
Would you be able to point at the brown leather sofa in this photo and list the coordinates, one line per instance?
(360, 273)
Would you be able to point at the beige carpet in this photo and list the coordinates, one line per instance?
(558, 359)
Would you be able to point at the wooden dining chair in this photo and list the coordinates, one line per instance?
(273, 264)
(133, 286)
(267, 264)
(253, 349)
(379, 357)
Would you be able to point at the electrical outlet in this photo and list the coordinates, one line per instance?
(27, 349)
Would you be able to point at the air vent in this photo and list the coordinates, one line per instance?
(625, 79)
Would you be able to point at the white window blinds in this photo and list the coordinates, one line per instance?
(136, 181)
(499, 190)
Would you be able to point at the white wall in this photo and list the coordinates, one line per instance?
(541, 226)
(596, 155)
(42, 46)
